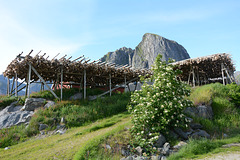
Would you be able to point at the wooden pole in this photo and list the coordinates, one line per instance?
(125, 82)
(29, 79)
(13, 81)
(16, 85)
(8, 85)
(61, 82)
(84, 83)
(110, 84)
(193, 78)
(223, 74)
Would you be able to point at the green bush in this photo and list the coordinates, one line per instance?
(158, 107)
(234, 93)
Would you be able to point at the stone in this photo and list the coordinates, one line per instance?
(200, 134)
(196, 126)
(166, 148)
(42, 132)
(205, 112)
(91, 98)
(180, 132)
(12, 115)
(191, 111)
(225, 135)
(173, 134)
(62, 120)
(129, 158)
(61, 126)
(108, 146)
(160, 141)
(76, 96)
(163, 158)
(156, 157)
(125, 152)
(42, 127)
(60, 131)
(49, 104)
(190, 120)
(33, 103)
(139, 150)
(231, 145)
(179, 145)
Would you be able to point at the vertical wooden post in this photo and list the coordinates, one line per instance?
(61, 82)
(125, 82)
(29, 79)
(84, 83)
(8, 85)
(193, 78)
(16, 85)
(223, 74)
(13, 81)
(110, 84)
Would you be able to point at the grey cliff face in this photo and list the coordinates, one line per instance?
(121, 56)
(146, 52)
(152, 45)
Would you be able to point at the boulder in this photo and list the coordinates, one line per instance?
(199, 111)
(49, 104)
(191, 111)
(196, 126)
(76, 96)
(42, 127)
(32, 103)
(200, 134)
(179, 145)
(12, 115)
(91, 98)
(161, 140)
(205, 112)
(139, 150)
(180, 132)
(166, 149)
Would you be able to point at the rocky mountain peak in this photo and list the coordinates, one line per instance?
(152, 45)
(121, 56)
(147, 50)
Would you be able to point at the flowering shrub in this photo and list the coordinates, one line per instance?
(158, 107)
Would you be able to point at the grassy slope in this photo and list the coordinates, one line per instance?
(63, 146)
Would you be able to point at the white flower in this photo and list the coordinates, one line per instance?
(142, 132)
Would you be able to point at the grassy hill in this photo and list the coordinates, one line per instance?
(91, 123)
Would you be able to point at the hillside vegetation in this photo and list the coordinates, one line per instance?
(76, 113)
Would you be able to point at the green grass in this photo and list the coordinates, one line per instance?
(6, 101)
(89, 150)
(67, 145)
(203, 148)
(226, 115)
(76, 113)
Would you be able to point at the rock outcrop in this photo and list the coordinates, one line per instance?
(143, 56)
(121, 56)
(153, 45)
(12, 115)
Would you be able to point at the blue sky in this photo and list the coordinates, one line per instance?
(95, 27)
